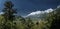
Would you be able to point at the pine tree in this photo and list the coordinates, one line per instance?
(8, 15)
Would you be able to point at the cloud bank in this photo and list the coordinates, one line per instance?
(40, 12)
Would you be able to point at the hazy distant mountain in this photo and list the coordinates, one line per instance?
(39, 14)
(43, 14)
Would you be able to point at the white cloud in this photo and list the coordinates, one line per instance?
(40, 12)
(1, 13)
(48, 10)
(58, 6)
(33, 13)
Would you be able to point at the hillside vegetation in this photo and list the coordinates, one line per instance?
(10, 21)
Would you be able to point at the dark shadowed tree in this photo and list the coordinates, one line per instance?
(9, 15)
(56, 19)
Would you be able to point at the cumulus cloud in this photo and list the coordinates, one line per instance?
(40, 12)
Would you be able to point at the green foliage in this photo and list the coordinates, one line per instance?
(29, 24)
(56, 19)
(8, 16)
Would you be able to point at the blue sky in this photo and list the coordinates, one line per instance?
(24, 7)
